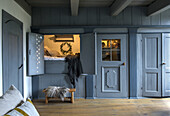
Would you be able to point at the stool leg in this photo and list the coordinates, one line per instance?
(46, 99)
(72, 97)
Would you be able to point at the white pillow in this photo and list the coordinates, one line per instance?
(52, 52)
(10, 100)
(26, 109)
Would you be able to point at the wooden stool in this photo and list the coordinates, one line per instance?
(72, 90)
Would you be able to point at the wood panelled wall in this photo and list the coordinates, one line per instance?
(96, 16)
(43, 81)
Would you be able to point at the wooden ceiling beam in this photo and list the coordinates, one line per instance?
(158, 7)
(74, 7)
(118, 6)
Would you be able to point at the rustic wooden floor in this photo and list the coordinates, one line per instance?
(105, 107)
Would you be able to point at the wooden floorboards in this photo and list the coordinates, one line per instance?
(105, 107)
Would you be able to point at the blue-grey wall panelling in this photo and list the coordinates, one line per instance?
(55, 67)
(127, 19)
(35, 87)
(156, 19)
(81, 88)
(96, 16)
(136, 16)
(165, 16)
(43, 81)
(90, 81)
(145, 19)
(80, 19)
(104, 19)
(65, 17)
(87, 53)
(133, 62)
(92, 16)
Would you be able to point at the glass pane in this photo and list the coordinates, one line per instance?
(106, 50)
(106, 43)
(106, 56)
(116, 44)
(111, 50)
(116, 50)
(115, 56)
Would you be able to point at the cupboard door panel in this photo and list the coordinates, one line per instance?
(35, 54)
(152, 65)
(166, 64)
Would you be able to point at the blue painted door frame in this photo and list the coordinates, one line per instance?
(132, 62)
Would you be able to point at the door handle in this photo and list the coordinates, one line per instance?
(164, 63)
(20, 66)
(123, 64)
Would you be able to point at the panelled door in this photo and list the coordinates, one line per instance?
(151, 65)
(112, 66)
(12, 55)
(166, 64)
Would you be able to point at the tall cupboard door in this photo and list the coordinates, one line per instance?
(166, 64)
(151, 65)
(12, 52)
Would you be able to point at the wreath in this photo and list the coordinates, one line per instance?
(65, 51)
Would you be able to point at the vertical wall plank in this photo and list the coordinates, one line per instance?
(105, 18)
(145, 19)
(81, 19)
(45, 14)
(36, 19)
(64, 16)
(133, 62)
(155, 20)
(136, 16)
(92, 16)
(35, 87)
(127, 16)
(119, 19)
(165, 17)
(55, 15)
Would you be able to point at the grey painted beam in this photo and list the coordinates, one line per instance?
(133, 62)
(158, 7)
(118, 6)
(24, 5)
(74, 7)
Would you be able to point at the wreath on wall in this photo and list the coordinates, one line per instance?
(65, 51)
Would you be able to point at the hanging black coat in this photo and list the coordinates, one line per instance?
(74, 68)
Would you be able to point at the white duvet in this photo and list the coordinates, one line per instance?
(53, 58)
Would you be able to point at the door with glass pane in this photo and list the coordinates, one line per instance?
(112, 66)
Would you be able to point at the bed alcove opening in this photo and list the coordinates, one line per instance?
(57, 47)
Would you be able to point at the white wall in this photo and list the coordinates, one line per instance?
(15, 10)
